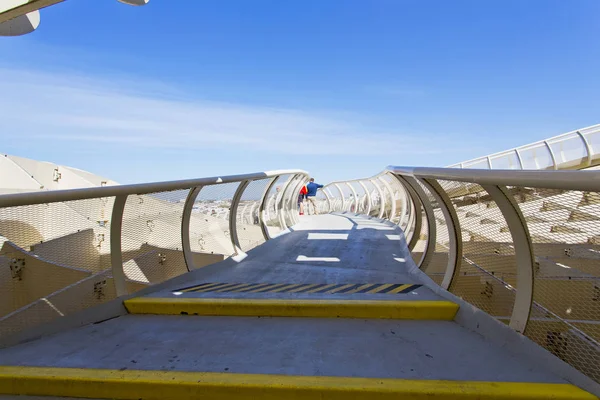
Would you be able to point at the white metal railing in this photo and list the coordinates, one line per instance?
(524, 246)
(572, 150)
(67, 250)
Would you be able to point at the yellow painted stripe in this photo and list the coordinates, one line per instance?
(159, 385)
(246, 286)
(199, 286)
(380, 288)
(340, 288)
(366, 285)
(285, 288)
(400, 288)
(318, 289)
(408, 309)
(210, 289)
(231, 288)
(263, 288)
(305, 286)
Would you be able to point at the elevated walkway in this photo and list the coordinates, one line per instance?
(334, 309)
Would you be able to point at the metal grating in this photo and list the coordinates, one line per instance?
(564, 228)
(487, 276)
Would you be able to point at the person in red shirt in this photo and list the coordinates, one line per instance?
(301, 197)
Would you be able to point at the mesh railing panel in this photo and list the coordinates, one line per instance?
(247, 221)
(48, 250)
(209, 223)
(564, 228)
(151, 237)
(487, 276)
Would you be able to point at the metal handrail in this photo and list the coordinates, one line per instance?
(517, 151)
(53, 196)
(567, 180)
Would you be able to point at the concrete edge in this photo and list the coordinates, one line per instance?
(135, 384)
(480, 322)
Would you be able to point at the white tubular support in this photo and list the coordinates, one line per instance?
(294, 197)
(368, 194)
(405, 210)
(415, 223)
(387, 186)
(329, 205)
(333, 200)
(265, 202)
(588, 149)
(355, 199)
(518, 154)
(343, 207)
(430, 217)
(523, 255)
(552, 155)
(280, 203)
(116, 255)
(381, 198)
(185, 227)
(235, 202)
(454, 232)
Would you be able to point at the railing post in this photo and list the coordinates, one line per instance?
(235, 202)
(341, 197)
(329, 206)
(415, 217)
(430, 217)
(368, 194)
(355, 199)
(552, 155)
(185, 227)
(523, 255)
(588, 148)
(454, 231)
(263, 207)
(389, 189)
(280, 203)
(116, 256)
(381, 198)
(294, 199)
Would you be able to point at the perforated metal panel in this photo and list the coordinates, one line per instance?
(565, 228)
(49, 252)
(151, 236)
(487, 277)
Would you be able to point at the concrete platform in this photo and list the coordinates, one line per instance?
(290, 346)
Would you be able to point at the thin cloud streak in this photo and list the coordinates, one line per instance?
(61, 107)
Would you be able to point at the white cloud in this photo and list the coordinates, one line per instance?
(67, 107)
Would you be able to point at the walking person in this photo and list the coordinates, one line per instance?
(311, 194)
(301, 197)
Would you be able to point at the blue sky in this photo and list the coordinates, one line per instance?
(341, 88)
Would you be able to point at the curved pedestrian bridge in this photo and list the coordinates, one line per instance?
(336, 308)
